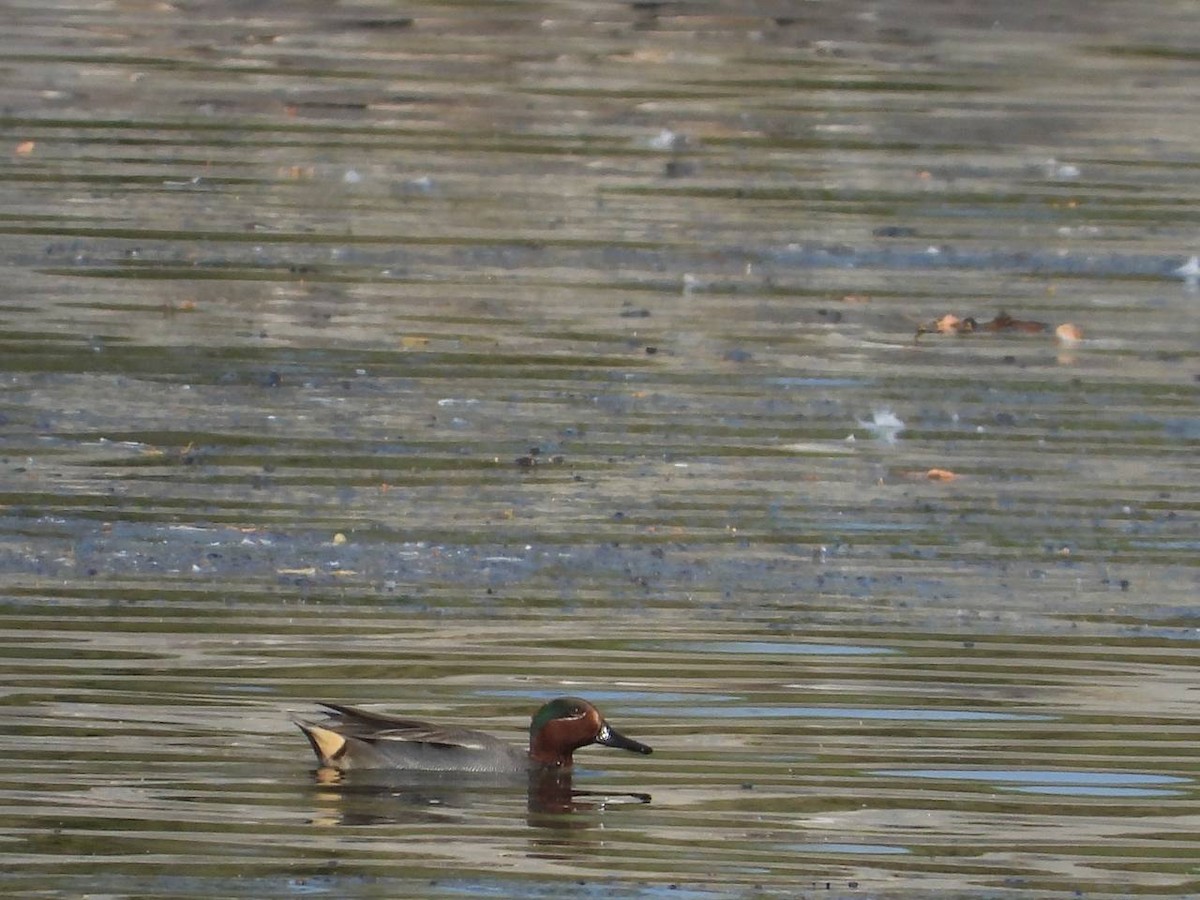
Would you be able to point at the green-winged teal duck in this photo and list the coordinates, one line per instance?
(351, 738)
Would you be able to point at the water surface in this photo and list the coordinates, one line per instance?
(449, 358)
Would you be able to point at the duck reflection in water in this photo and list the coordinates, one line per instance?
(363, 752)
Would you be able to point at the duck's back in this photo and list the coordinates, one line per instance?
(352, 738)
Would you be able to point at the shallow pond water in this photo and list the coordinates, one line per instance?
(447, 358)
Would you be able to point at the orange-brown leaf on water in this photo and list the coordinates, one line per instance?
(645, 55)
(929, 475)
(170, 309)
(297, 173)
(941, 475)
(947, 324)
(412, 341)
(856, 299)
(952, 324)
(1068, 334)
(25, 148)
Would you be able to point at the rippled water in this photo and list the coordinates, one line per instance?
(447, 358)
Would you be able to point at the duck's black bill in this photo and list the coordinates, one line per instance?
(610, 737)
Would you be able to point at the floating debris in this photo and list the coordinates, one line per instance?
(947, 324)
(534, 458)
(1068, 335)
(941, 475)
(422, 184)
(884, 425)
(1189, 271)
(1060, 170)
(1003, 322)
(928, 475)
(680, 168)
(667, 139)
